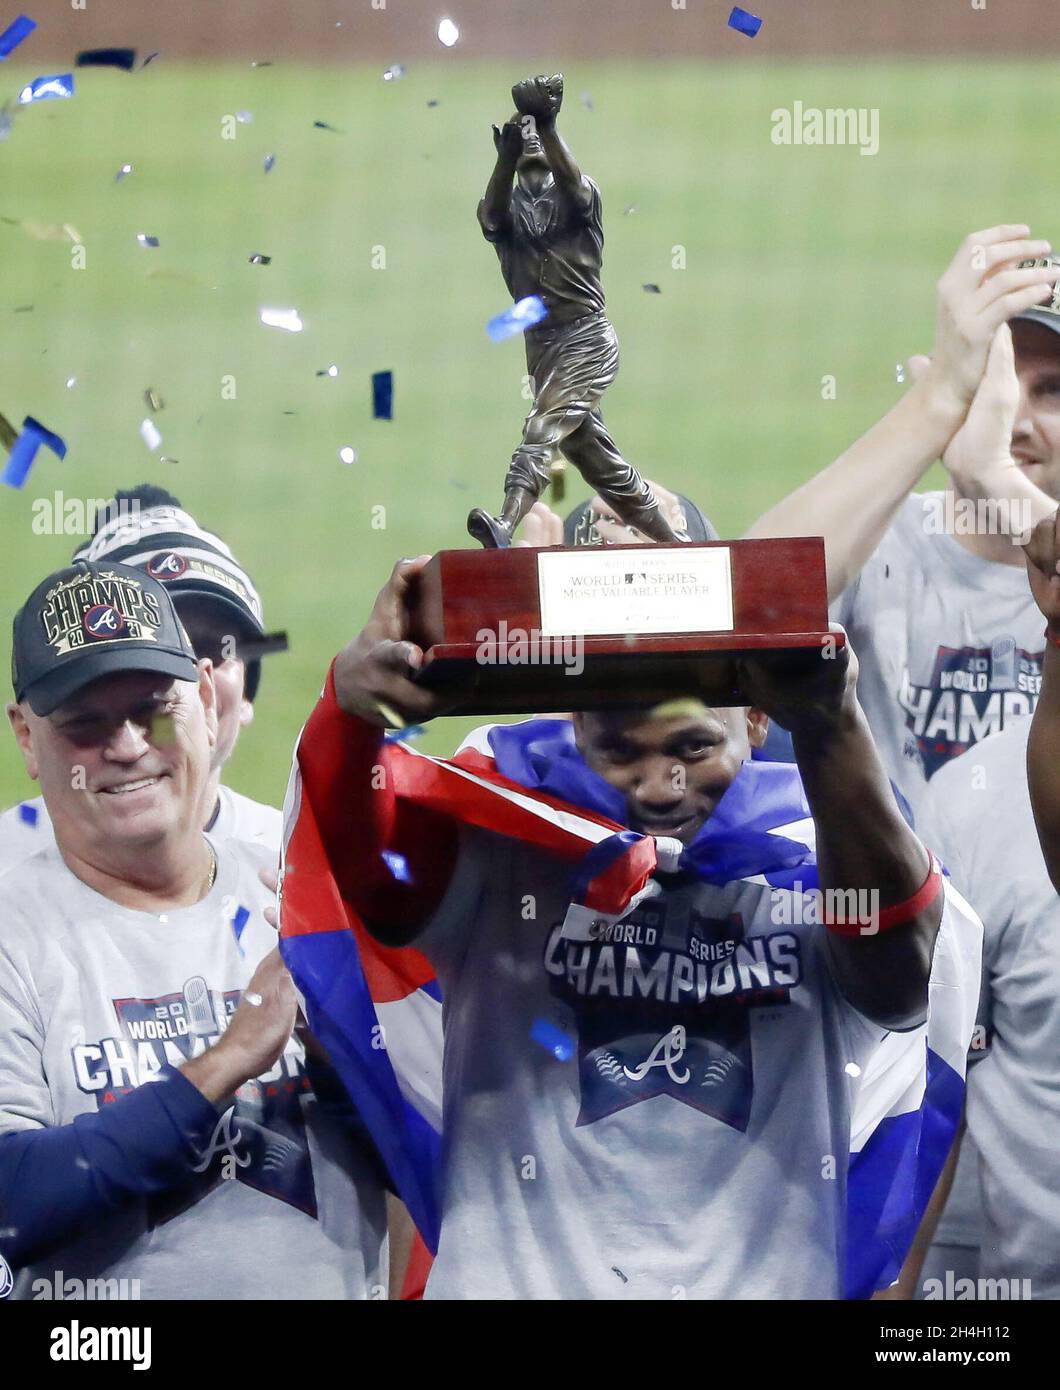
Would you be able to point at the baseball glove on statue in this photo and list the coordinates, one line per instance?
(540, 97)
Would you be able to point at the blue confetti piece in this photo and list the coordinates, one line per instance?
(19, 29)
(744, 22)
(24, 451)
(552, 1039)
(408, 732)
(43, 88)
(383, 395)
(268, 162)
(239, 921)
(28, 814)
(107, 58)
(398, 865)
(517, 319)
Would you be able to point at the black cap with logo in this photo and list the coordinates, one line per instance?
(93, 620)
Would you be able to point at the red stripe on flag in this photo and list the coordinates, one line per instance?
(484, 766)
(311, 902)
(611, 891)
(434, 784)
(309, 899)
(391, 972)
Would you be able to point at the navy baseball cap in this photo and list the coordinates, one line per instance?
(579, 528)
(92, 620)
(1048, 315)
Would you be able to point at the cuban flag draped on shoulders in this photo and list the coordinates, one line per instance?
(378, 1011)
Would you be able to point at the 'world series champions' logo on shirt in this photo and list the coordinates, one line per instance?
(104, 607)
(973, 692)
(662, 1002)
(259, 1141)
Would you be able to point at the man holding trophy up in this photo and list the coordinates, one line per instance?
(703, 1016)
(721, 1124)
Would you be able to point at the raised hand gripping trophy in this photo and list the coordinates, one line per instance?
(548, 232)
(510, 629)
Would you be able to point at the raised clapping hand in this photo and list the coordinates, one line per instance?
(980, 290)
(374, 673)
(983, 444)
(1043, 569)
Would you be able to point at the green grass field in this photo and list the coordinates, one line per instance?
(801, 262)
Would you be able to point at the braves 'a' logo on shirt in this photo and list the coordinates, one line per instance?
(662, 1004)
(972, 692)
(260, 1140)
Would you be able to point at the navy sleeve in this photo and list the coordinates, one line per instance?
(55, 1181)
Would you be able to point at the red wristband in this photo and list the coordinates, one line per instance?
(1050, 638)
(900, 913)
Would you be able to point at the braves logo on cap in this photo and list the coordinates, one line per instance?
(104, 620)
(166, 565)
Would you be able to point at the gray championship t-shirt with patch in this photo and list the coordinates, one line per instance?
(694, 1145)
(978, 810)
(94, 1000)
(949, 646)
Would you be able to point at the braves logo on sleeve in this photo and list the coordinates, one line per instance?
(662, 1001)
(972, 692)
(260, 1140)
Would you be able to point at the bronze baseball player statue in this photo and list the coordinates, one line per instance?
(548, 231)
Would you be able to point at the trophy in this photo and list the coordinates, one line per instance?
(533, 631)
(521, 630)
(548, 234)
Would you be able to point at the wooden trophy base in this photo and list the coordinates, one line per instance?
(535, 631)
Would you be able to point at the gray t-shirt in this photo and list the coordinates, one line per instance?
(26, 828)
(979, 812)
(94, 1000)
(695, 1144)
(949, 646)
